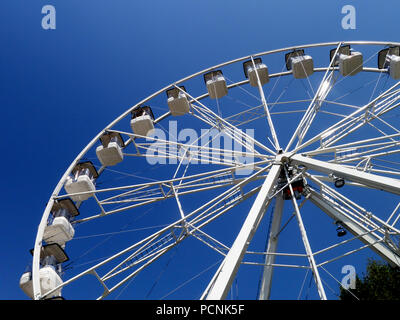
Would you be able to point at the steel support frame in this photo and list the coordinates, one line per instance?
(266, 281)
(307, 246)
(220, 284)
(365, 178)
(367, 238)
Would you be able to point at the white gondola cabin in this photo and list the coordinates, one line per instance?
(142, 122)
(51, 258)
(216, 84)
(178, 102)
(251, 70)
(82, 180)
(389, 58)
(109, 152)
(350, 62)
(60, 230)
(302, 65)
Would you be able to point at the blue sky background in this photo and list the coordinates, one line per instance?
(60, 87)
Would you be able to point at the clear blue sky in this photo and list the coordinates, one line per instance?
(60, 87)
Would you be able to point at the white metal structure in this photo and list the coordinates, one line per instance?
(322, 132)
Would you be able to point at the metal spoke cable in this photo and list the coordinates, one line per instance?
(245, 90)
(281, 94)
(364, 62)
(118, 232)
(108, 238)
(376, 85)
(191, 279)
(161, 273)
(302, 285)
(340, 283)
(124, 288)
(277, 81)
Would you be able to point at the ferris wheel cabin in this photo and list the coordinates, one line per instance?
(216, 84)
(302, 65)
(60, 230)
(82, 180)
(390, 58)
(350, 62)
(142, 122)
(51, 258)
(252, 70)
(109, 152)
(177, 101)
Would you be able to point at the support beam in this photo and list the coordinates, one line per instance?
(265, 105)
(365, 178)
(304, 237)
(379, 248)
(266, 282)
(220, 284)
(324, 88)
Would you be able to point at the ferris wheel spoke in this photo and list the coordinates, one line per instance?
(146, 252)
(353, 147)
(266, 109)
(323, 90)
(154, 246)
(382, 104)
(266, 282)
(222, 280)
(237, 135)
(217, 121)
(190, 229)
(375, 181)
(208, 240)
(149, 193)
(310, 255)
(160, 150)
(366, 156)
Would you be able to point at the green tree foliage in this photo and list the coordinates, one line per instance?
(381, 282)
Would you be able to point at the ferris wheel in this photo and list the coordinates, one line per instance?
(269, 167)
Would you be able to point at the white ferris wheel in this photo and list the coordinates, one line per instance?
(265, 170)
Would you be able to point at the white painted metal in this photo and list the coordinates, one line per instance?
(178, 106)
(216, 87)
(260, 71)
(80, 189)
(350, 65)
(266, 281)
(365, 178)
(378, 247)
(111, 155)
(302, 66)
(222, 281)
(59, 231)
(49, 280)
(264, 102)
(394, 67)
(323, 90)
(307, 246)
(142, 125)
